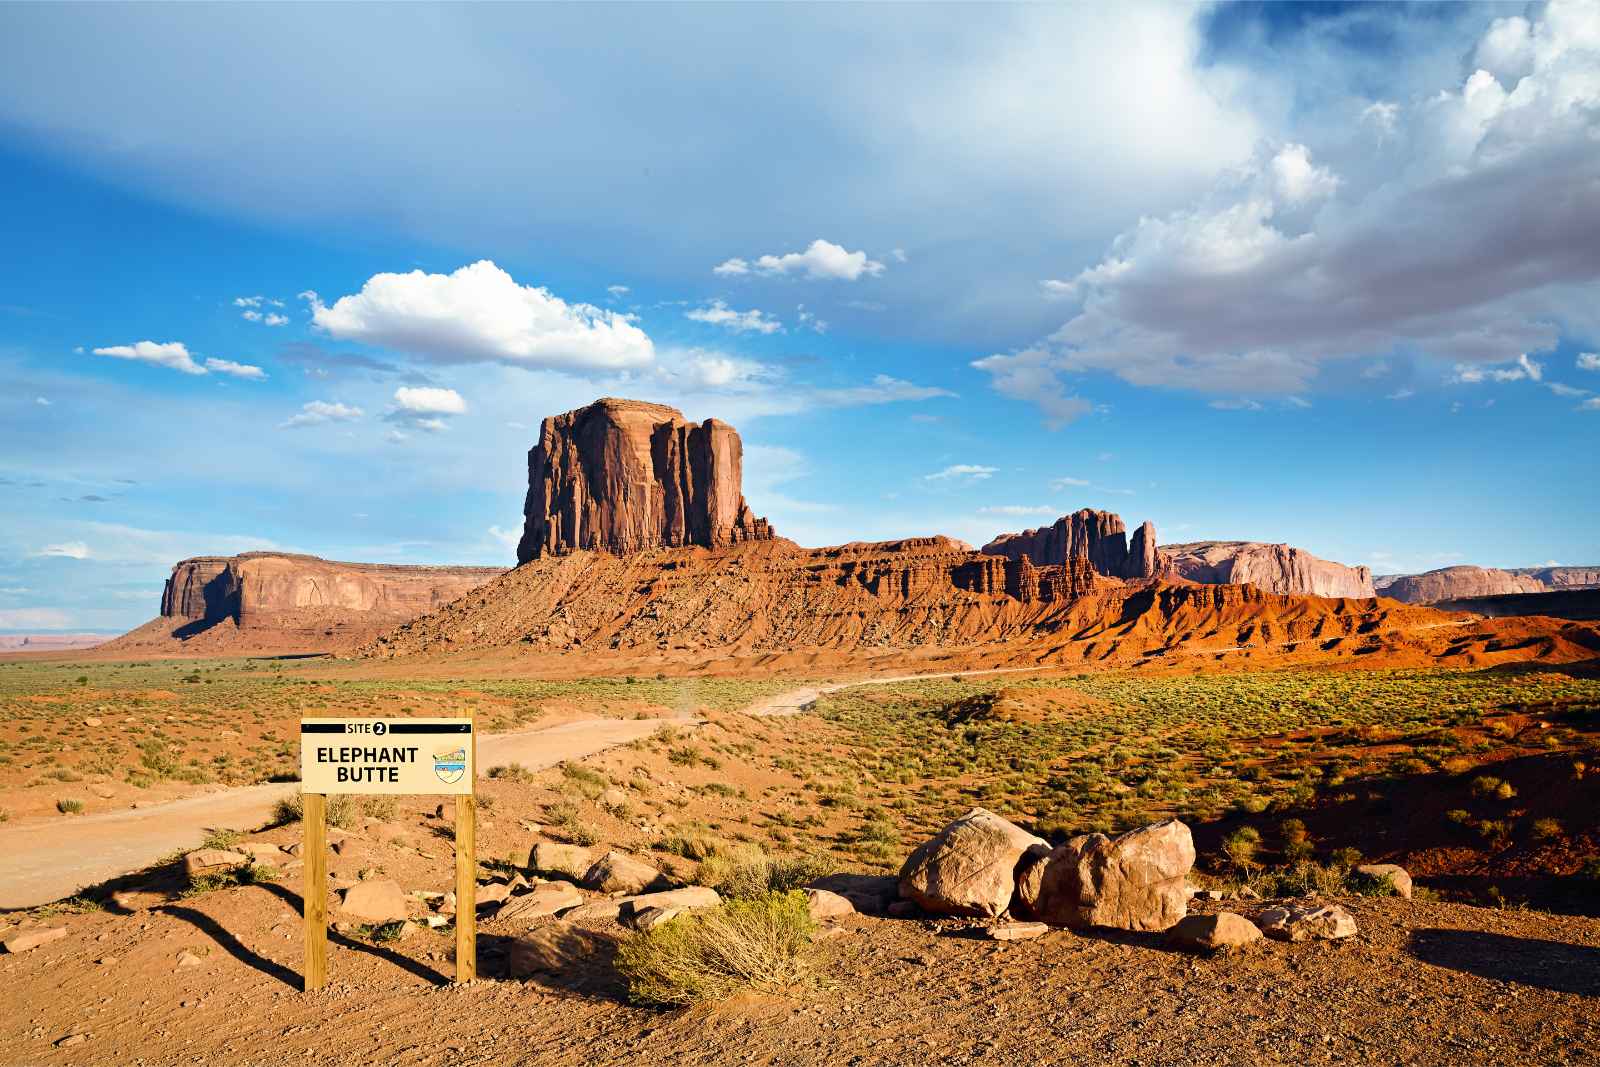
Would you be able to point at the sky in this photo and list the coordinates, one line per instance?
(308, 277)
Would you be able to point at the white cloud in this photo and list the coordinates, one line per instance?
(248, 301)
(274, 319)
(1059, 484)
(1592, 404)
(1288, 266)
(480, 313)
(508, 538)
(41, 401)
(172, 354)
(236, 370)
(809, 320)
(317, 412)
(1296, 402)
(1240, 404)
(881, 390)
(1383, 114)
(66, 550)
(718, 313)
(1401, 394)
(1030, 375)
(822, 260)
(1524, 368)
(963, 472)
(618, 291)
(1019, 510)
(1568, 391)
(1589, 360)
(429, 400)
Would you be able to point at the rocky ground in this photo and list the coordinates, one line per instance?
(214, 979)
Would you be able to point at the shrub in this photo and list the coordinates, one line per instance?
(1345, 857)
(693, 841)
(747, 871)
(342, 810)
(1373, 886)
(1485, 786)
(760, 943)
(590, 783)
(221, 839)
(1546, 829)
(69, 806)
(1240, 846)
(511, 772)
(1292, 830)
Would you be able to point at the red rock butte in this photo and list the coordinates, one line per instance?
(625, 476)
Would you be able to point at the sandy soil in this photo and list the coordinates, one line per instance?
(1423, 983)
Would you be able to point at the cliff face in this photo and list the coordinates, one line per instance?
(1458, 583)
(266, 589)
(1097, 537)
(1562, 577)
(1273, 568)
(623, 476)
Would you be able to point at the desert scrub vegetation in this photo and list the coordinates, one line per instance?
(764, 942)
(748, 871)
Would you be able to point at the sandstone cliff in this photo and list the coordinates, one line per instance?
(1274, 568)
(1098, 537)
(283, 600)
(624, 476)
(1562, 577)
(1457, 583)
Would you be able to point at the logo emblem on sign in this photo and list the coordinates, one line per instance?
(450, 764)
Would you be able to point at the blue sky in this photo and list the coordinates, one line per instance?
(1324, 274)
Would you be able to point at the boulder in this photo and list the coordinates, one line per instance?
(968, 868)
(552, 898)
(32, 939)
(624, 909)
(625, 476)
(212, 861)
(650, 918)
(825, 905)
(574, 860)
(380, 900)
(491, 893)
(1398, 876)
(870, 894)
(618, 872)
(1136, 881)
(1223, 931)
(1307, 922)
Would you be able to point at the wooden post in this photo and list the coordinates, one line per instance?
(314, 818)
(467, 871)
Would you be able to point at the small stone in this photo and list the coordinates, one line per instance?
(1304, 922)
(32, 939)
(375, 901)
(544, 901)
(827, 905)
(106, 961)
(75, 1039)
(436, 921)
(91, 722)
(650, 918)
(211, 861)
(1213, 933)
(1016, 931)
(613, 798)
(188, 959)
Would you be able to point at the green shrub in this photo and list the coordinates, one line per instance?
(1373, 886)
(747, 871)
(343, 809)
(221, 839)
(1240, 846)
(69, 806)
(589, 783)
(761, 943)
(511, 772)
(1546, 829)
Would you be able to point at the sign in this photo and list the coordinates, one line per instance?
(415, 756)
(396, 756)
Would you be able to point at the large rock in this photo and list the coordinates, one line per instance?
(32, 939)
(825, 905)
(1457, 583)
(560, 859)
(1398, 876)
(618, 872)
(375, 901)
(1270, 568)
(1221, 932)
(552, 898)
(1307, 922)
(1136, 881)
(870, 894)
(969, 867)
(624, 476)
(203, 862)
(1096, 536)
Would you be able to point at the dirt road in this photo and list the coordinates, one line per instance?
(46, 861)
(797, 700)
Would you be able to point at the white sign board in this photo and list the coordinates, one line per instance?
(402, 756)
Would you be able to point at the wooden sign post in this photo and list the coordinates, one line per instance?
(428, 757)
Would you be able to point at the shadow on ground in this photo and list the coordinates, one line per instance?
(1552, 965)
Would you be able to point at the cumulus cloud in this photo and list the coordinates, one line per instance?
(961, 472)
(618, 291)
(429, 400)
(1589, 360)
(480, 313)
(65, 550)
(1592, 404)
(270, 318)
(718, 313)
(822, 260)
(236, 370)
(173, 355)
(1475, 239)
(317, 412)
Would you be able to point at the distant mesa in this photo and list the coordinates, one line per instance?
(287, 600)
(625, 476)
(1272, 568)
(50, 642)
(1098, 537)
(1468, 583)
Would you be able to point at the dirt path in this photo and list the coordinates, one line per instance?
(45, 861)
(795, 701)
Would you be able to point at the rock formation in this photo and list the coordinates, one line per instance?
(623, 476)
(1273, 568)
(969, 867)
(1096, 536)
(1135, 881)
(1457, 583)
(1473, 583)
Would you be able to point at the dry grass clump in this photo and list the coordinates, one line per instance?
(749, 871)
(760, 943)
